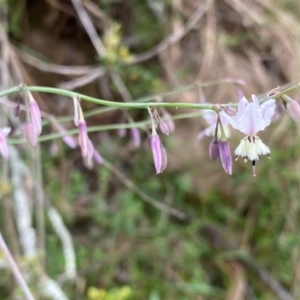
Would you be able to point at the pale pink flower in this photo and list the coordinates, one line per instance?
(211, 117)
(156, 152)
(3, 144)
(251, 118)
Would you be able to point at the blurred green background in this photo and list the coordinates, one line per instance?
(230, 237)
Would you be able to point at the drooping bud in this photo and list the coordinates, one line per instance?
(156, 152)
(97, 157)
(68, 139)
(135, 134)
(30, 134)
(213, 149)
(88, 159)
(164, 159)
(3, 144)
(225, 156)
(164, 128)
(167, 118)
(83, 138)
(35, 114)
(293, 108)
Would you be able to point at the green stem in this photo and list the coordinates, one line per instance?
(137, 104)
(74, 131)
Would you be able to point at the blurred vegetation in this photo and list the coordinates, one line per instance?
(236, 227)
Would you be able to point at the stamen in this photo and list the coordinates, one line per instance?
(253, 164)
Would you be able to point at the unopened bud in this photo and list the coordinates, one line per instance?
(135, 134)
(83, 138)
(225, 155)
(164, 159)
(293, 108)
(213, 149)
(156, 152)
(30, 134)
(167, 118)
(164, 128)
(35, 116)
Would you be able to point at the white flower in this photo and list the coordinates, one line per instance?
(251, 118)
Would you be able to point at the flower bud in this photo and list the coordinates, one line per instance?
(164, 128)
(83, 138)
(97, 157)
(164, 159)
(293, 108)
(135, 134)
(213, 149)
(225, 155)
(156, 152)
(167, 118)
(35, 116)
(30, 134)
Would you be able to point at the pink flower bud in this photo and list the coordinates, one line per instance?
(167, 118)
(30, 134)
(156, 152)
(97, 157)
(225, 155)
(3, 144)
(88, 159)
(164, 159)
(83, 138)
(164, 128)
(35, 116)
(135, 134)
(213, 149)
(293, 109)
(69, 140)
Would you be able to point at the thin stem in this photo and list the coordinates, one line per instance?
(74, 131)
(136, 104)
(16, 271)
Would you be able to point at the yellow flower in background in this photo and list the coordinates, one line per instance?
(122, 293)
(96, 294)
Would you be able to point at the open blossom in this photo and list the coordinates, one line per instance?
(3, 144)
(251, 118)
(211, 117)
